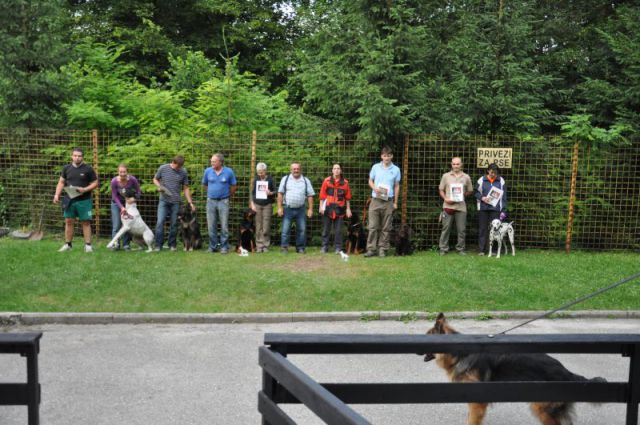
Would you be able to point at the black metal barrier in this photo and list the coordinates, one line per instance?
(283, 382)
(28, 394)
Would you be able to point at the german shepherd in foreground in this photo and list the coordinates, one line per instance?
(490, 367)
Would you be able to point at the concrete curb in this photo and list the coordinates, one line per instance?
(29, 319)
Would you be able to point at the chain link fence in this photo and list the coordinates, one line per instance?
(601, 212)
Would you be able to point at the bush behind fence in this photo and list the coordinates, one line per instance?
(606, 203)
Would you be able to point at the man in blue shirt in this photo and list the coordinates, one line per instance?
(384, 181)
(220, 183)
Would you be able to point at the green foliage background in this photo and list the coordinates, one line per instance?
(379, 69)
(178, 74)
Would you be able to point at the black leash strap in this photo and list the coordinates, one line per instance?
(572, 303)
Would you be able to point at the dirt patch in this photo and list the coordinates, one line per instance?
(308, 263)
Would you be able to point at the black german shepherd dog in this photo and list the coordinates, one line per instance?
(246, 235)
(491, 367)
(189, 229)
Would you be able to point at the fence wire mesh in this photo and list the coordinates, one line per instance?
(606, 203)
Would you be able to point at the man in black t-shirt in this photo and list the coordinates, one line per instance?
(78, 180)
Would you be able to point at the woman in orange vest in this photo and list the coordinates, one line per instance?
(335, 197)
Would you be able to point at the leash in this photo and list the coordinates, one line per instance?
(572, 303)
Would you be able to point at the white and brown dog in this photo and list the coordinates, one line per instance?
(497, 232)
(132, 222)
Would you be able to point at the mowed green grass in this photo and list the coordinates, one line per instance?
(36, 278)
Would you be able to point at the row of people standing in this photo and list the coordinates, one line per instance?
(293, 192)
(295, 201)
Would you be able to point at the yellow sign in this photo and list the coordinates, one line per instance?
(501, 156)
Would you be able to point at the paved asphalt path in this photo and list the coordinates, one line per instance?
(162, 374)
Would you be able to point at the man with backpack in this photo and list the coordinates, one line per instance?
(293, 191)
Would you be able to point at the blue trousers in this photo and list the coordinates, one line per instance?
(218, 210)
(166, 209)
(299, 215)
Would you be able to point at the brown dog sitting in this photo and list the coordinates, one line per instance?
(189, 229)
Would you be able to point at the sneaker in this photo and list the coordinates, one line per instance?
(173, 249)
(88, 248)
(284, 250)
(224, 251)
(462, 253)
(126, 248)
(382, 254)
(481, 254)
(211, 250)
(442, 253)
(323, 250)
(370, 254)
(65, 247)
(156, 249)
(265, 249)
(300, 250)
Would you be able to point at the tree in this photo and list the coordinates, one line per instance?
(405, 66)
(152, 31)
(489, 79)
(32, 48)
(360, 64)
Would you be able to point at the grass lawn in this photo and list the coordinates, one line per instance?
(36, 278)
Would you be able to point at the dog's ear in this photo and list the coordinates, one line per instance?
(440, 324)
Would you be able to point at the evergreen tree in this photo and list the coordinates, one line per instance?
(360, 65)
(32, 49)
(489, 80)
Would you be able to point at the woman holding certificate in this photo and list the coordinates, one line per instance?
(335, 198)
(491, 195)
(262, 196)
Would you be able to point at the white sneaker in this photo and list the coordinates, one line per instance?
(88, 248)
(65, 247)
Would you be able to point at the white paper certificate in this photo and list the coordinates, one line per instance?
(455, 192)
(72, 191)
(262, 189)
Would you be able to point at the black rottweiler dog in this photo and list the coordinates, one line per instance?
(246, 235)
(356, 235)
(189, 229)
(403, 240)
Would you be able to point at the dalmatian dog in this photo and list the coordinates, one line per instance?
(497, 232)
(132, 222)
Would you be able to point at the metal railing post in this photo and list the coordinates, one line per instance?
(269, 385)
(634, 386)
